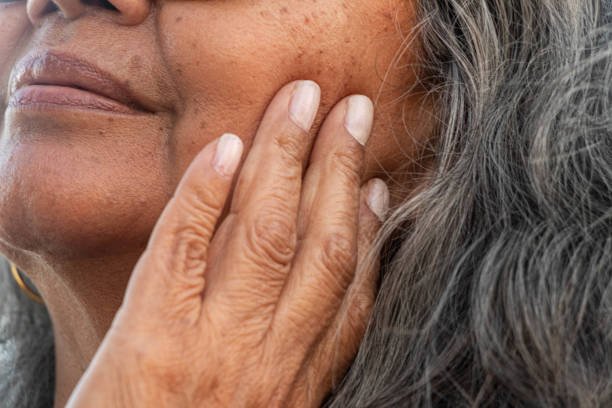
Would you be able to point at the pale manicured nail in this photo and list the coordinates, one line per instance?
(378, 198)
(228, 154)
(359, 118)
(304, 104)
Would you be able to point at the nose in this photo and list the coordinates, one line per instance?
(127, 12)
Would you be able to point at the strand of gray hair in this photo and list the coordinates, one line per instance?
(496, 280)
(498, 291)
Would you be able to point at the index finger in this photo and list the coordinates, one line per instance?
(170, 274)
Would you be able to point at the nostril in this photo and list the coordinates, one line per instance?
(105, 4)
(108, 5)
(50, 7)
(70, 9)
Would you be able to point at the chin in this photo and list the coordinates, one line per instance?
(65, 195)
(64, 220)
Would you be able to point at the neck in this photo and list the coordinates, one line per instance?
(82, 298)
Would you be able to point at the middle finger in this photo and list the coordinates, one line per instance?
(263, 215)
(329, 216)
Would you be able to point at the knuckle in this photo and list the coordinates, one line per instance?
(338, 256)
(184, 255)
(189, 240)
(272, 238)
(285, 178)
(202, 208)
(347, 163)
(290, 145)
(190, 250)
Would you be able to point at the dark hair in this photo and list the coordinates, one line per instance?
(27, 359)
(496, 288)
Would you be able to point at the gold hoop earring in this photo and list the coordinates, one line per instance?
(24, 287)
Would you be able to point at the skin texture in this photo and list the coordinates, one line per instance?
(81, 192)
(270, 312)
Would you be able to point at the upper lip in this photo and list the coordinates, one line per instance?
(60, 69)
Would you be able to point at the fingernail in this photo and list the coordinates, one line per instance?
(359, 117)
(304, 104)
(378, 198)
(228, 154)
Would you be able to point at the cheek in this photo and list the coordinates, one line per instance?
(81, 193)
(225, 67)
(13, 24)
(229, 61)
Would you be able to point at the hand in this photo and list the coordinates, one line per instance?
(266, 308)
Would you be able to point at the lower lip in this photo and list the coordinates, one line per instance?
(64, 97)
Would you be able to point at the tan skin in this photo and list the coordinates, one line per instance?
(82, 191)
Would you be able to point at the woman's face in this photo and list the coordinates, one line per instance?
(78, 181)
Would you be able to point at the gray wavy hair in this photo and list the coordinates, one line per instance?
(496, 282)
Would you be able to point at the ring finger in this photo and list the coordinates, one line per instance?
(329, 213)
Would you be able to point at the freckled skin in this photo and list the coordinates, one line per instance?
(209, 67)
(80, 191)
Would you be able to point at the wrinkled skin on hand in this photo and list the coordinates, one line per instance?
(267, 307)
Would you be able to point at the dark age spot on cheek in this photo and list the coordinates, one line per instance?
(178, 19)
(284, 10)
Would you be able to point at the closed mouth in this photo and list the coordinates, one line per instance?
(56, 79)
